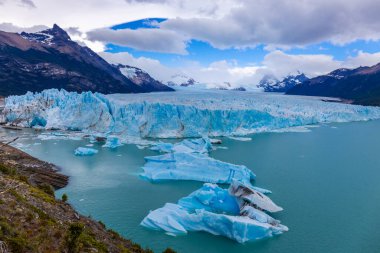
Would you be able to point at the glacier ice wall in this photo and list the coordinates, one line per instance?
(182, 114)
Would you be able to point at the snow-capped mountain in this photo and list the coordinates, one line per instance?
(271, 84)
(50, 59)
(360, 85)
(141, 78)
(181, 80)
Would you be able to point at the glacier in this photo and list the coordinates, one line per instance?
(82, 151)
(181, 115)
(213, 210)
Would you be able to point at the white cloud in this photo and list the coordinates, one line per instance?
(285, 23)
(363, 59)
(277, 63)
(156, 40)
(9, 27)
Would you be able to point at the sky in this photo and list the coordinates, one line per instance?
(235, 41)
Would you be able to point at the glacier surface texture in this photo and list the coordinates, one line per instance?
(182, 114)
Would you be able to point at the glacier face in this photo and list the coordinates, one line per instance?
(183, 114)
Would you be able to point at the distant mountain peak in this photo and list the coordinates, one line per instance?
(271, 84)
(181, 80)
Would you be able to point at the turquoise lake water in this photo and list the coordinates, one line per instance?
(327, 181)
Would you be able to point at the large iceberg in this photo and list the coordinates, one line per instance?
(212, 209)
(202, 145)
(183, 114)
(193, 166)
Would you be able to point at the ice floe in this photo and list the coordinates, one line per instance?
(193, 166)
(201, 145)
(82, 151)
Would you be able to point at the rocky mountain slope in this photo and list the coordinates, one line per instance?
(141, 78)
(50, 59)
(360, 85)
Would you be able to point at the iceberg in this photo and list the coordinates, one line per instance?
(202, 145)
(112, 142)
(194, 166)
(82, 151)
(213, 210)
(248, 195)
(184, 114)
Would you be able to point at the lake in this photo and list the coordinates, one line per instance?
(327, 181)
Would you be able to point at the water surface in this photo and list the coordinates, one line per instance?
(327, 181)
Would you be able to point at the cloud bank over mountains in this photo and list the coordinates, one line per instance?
(279, 27)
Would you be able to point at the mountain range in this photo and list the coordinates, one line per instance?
(360, 85)
(271, 84)
(50, 59)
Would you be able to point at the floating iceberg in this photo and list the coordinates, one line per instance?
(240, 138)
(212, 209)
(201, 145)
(180, 115)
(81, 151)
(112, 142)
(193, 166)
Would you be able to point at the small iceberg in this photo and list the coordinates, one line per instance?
(193, 166)
(236, 138)
(112, 142)
(214, 210)
(82, 151)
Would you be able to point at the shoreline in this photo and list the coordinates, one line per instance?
(33, 220)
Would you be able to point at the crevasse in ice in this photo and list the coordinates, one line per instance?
(183, 114)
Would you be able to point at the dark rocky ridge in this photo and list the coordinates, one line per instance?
(361, 85)
(50, 59)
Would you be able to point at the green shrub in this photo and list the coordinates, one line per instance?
(75, 231)
(47, 188)
(7, 170)
(64, 197)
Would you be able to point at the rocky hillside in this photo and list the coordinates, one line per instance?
(361, 85)
(141, 78)
(33, 220)
(50, 59)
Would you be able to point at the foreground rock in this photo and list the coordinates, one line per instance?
(32, 220)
